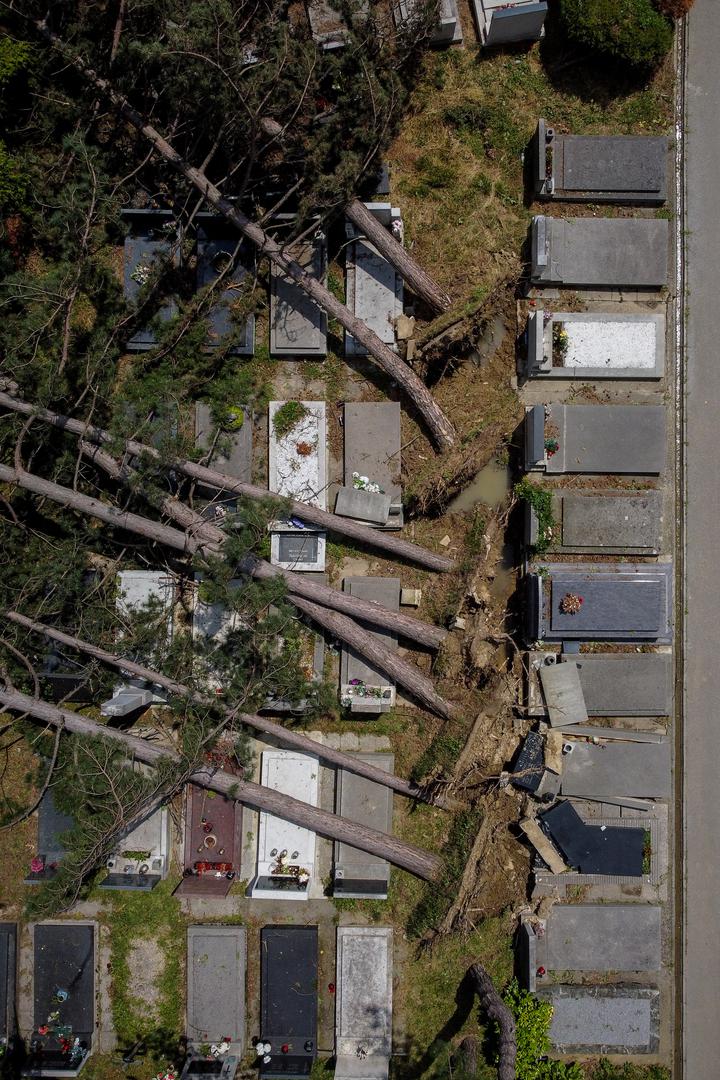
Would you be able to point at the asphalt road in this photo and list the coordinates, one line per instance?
(701, 821)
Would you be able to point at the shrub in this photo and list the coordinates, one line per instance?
(532, 1020)
(630, 31)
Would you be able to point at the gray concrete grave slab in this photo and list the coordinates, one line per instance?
(216, 962)
(372, 449)
(607, 439)
(602, 937)
(298, 326)
(385, 591)
(592, 522)
(613, 684)
(374, 294)
(362, 505)
(328, 24)
(596, 252)
(151, 241)
(229, 451)
(637, 770)
(357, 874)
(363, 1002)
(563, 694)
(599, 168)
(604, 1019)
(8, 981)
(618, 602)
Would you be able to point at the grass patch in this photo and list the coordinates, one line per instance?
(437, 896)
(441, 755)
(540, 499)
(148, 917)
(287, 418)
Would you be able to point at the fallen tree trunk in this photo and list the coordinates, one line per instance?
(407, 675)
(285, 736)
(408, 857)
(411, 272)
(438, 424)
(393, 545)
(498, 1011)
(298, 584)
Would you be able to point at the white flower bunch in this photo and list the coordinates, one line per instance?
(363, 483)
(141, 274)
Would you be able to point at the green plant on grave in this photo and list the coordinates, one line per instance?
(560, 341)
(532, 1022)
(647, 851)
(287, 418)
(234, 418)
(540, 499)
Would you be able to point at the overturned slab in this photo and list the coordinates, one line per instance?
(216, 959)
(590, 847)
(621, 439)
(599, 168)
(604, 1019)
(615, 770)
(625, 523)
(298, 327)
(328, 25)
(363, 688)
(563, 694)
(615, 602)
(356, 874)
(583, 345)
(372, 450)
(502, 23)
(600, 252)
(613, 684)
(363, 1002)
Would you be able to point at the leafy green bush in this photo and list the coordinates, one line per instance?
(532, 1020)
(608, 1070)
(630, 31)
(13, 182)
(541, 501)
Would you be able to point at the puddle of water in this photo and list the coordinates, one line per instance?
(491, 339)
(490, 486)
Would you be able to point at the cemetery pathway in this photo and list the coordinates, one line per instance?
(701, 836)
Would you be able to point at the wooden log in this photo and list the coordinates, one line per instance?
(274, 730)
(407, 675)
(415, 860)
(498, 1011)
(375, 538)
(439, 426)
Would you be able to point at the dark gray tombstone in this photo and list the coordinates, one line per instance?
(219, 247)
(298, 327)
(613, 684)
(600, 168)
(288, 999)
(64, 959)
(52, 824)
(621, 523)
(229, 451)
(216, 960)
(151, 241)
(600, 252)
(357, 874)
(619, 439)
(501, 23)
(617, 602)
